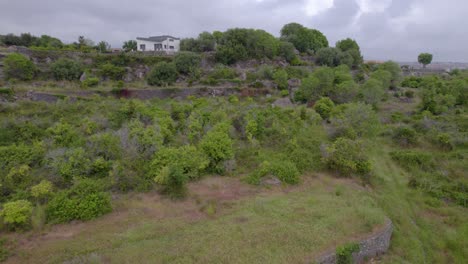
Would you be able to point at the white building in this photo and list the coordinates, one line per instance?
(168, 44)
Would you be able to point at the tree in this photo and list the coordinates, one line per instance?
(186, 62)
(287, 51)
(130, 45)
(162, 74)
(394, 69)
(18, 66)
(103, 47)
(324, 106)
(425, 59)
(372, 91)
(350, 48)
(304, 39)
(328, 57)
(66, 69)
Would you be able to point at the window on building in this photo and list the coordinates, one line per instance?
(165, 46)
(171, 40)
(142, 47)
(171, 47)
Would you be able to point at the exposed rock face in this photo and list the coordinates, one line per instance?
(283, 102)
(371, 247)
(83, 77)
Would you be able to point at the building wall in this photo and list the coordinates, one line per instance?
(150, 45)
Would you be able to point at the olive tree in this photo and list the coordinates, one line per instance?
(425, 59)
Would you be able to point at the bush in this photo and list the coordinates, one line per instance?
(347, 157)
(66, 69)
(16, 155)
(17, 66)
(84, 201)
(187, 158)
(410, 159)
(405, 136)
(187, 62)
(217, 145)
(111, 71)
(286, 171)
(280, 77)
(324, 106)
(162, 74)
(221, 72)
(287, 51)
(42, 191)
(173, 179)
(16, 214)
(328, 57)
(90, 82)
(412, 82)
(355, 120)
(344, 254)
(372, 91)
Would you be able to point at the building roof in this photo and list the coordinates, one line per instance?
(157, 38)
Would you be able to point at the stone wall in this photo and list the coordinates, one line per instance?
(371, 247)
(148, 94)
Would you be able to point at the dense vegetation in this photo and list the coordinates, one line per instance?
(403, 139)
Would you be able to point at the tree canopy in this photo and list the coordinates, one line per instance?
(304, 39)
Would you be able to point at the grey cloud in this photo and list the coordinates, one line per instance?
(399, 32)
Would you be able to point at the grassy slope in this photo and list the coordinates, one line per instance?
(423, 233)
(274, 227)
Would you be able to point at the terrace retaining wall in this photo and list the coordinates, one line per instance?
(371, 247)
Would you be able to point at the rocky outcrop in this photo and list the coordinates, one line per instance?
(371, 247)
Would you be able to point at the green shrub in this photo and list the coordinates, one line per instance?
(354, 120)
(111, 71)
(4, 251)
(42, 191)
(173, 179)
(344, 254)
(188, 158)
(16, 155)
(217, 145)
(405, 136)
(409, 94)
(16, 214)
(162, 74)
(284, 93)
(66, 69)
(187, 62)
(17, 66)
(84, 201)
(106, 145)
(287, 51)
(444, 141)
(412, 82)
(64, 135)
(280, 77)
(286, 171)
(372, 91)
(410, 159)
(90, 82)
(70, 164)
(347, 157)
(221, 72)
(324, 106)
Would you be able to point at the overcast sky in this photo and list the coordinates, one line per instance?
(385, 29)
